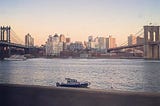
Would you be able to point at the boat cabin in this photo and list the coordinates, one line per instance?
(69, 80)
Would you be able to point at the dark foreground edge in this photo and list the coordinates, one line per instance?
(26, 95)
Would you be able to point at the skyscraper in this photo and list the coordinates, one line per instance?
(131, 40)
(29, 40)
(62, 38)
(68, 40)
(102, 43)
(54, 46)
(110, 42)
(91, 43)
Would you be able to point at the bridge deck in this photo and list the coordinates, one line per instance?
(14, 45)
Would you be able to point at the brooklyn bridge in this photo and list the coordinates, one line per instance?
(11, 44)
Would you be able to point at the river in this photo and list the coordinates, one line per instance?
(122, 74)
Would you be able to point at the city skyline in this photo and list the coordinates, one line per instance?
(78, 19)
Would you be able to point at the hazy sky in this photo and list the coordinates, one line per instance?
(78, 18)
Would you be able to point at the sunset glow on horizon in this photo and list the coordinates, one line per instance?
(78, 19)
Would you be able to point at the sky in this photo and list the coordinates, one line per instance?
(78, 19)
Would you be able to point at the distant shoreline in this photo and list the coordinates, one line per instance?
(95, 58)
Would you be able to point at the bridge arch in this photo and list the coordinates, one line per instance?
(154, 36)
(149, 35)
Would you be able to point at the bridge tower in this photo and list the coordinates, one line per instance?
(152, 42)
(5, 34)
(5, 37)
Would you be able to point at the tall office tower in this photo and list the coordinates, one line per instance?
(29, 40)
(110, 42)
(62, 38)
(68, 40)
(96, 43)
(131, 40)
(90, 38)
(102, 43)
(90, 43)
(54, 46)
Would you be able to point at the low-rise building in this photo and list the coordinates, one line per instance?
(77, 46)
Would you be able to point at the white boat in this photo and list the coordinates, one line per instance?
(16, 58)
(73, 83)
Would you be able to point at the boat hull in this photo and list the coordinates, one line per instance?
(16, 58)
(84, 85)
(9, 59)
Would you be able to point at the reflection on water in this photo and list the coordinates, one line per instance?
(122, 74)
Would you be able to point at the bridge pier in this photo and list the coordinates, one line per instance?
(1, 53)
(152, 42)
(4, 52)
(156, 52)
(159, 51)
(26, 51)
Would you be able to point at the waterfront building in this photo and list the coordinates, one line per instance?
(96, 43)
(102, 43)
(49, 46)
(54, 46)
(77, 46)
(90, 43)
(85, 55)
(110, 42)
(67, 43)
(131, 40)
(29, 40)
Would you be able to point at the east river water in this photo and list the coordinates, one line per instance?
(122, 74)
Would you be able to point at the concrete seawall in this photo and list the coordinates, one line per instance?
(25, 95)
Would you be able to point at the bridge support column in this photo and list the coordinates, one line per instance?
(1, 52)
(8, 34)
(159, 51)
(147, 53)
(151, 52)
(4, 52)
(1, 34)
(155, 52)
